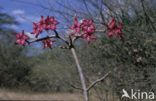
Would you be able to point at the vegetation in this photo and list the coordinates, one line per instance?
(132, 60)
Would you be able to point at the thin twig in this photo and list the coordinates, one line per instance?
(79, 88)
(75, 38)
(146, 15)
(87, 8)
(98, 80)
(63, 47)
(73, 86)
(101, 31)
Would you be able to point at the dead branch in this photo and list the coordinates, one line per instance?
(98, 80)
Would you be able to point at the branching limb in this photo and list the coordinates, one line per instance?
(98, 80)
(75, 38)
(50, 36)
(62, 38)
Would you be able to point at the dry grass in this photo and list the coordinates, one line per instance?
(10, 95)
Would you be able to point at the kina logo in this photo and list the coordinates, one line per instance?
(137, 95)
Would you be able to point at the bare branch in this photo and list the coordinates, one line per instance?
(51, 36)
(103, 31)
(73, 86)
(98, 80)
(87, 8)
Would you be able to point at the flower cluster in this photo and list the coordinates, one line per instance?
(21, 38)
(84, 29)
(113, 28)
(44, 24)
(47, 43)
(86, 26)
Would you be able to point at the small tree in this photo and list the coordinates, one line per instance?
(84, 30)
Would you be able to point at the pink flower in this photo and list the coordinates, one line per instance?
(21, 38)
(37, 29)
(51, 23)
(76, 27)
(113, 28)
(44, 24)
(47, 43)
(88, 37)
(88, 27)
(111, 24)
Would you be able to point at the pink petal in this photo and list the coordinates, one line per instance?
(22, 32)
(23, 42)
(53, 27)
(78, 30)
(37, 34)
(88, 40)
(110, 33)
(90, 21)
(116, 33)
(92, 37)
(84, 36)
(25, 37)
(73, 33)
(112, 20)
(32, 32)
(18, 41)
(17, 35)
(120, 25)
(52, 18)
(111, 26)
(56, 22)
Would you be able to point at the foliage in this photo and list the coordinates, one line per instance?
(14, 65)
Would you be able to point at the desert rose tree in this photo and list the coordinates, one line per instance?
(84, 30)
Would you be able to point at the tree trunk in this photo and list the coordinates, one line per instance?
(85, 92)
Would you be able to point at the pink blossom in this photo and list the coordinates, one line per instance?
(47, 43)
(37, 29)
(111, 24)
(21, 38)
(88, 27)
(51, 23)
(76, 27)
(44, 24)
(113, 28)
(88, 37)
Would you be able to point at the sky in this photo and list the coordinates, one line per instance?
(26, 13)
(23, 12)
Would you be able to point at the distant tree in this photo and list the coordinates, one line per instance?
(13, 63)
